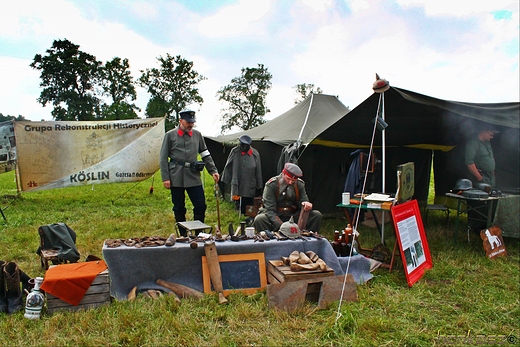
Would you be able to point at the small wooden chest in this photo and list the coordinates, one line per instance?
(277, 272)
(97, 295)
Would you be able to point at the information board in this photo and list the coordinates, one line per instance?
(411, 239)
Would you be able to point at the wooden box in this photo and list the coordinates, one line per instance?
(97, 295)
(277, 272)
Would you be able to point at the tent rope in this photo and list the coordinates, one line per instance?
(356, 222)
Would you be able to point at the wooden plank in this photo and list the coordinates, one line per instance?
(283, 272)
(272, 279)
(271, 269)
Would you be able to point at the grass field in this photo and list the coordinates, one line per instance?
(464, 300)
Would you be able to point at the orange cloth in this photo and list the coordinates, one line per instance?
(70, 282)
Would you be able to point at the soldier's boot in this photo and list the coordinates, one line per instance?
(3, 298)
(13, 290)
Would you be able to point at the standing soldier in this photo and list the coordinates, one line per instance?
(181, 173)
(243, 171)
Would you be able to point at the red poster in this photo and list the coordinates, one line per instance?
(411, 239)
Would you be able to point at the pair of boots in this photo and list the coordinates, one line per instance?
(12, 282)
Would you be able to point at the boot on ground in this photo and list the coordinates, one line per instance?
(13, 289)
(3, 297)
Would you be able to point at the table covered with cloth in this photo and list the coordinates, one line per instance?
(141, 267)
(507, 215)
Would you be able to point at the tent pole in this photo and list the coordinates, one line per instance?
(383, 166)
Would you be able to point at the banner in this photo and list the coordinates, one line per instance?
(7, 146)
(63, 154)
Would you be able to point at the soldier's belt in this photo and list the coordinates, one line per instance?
(182, 163)
(289, 209)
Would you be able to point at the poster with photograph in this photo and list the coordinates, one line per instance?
(411, 239)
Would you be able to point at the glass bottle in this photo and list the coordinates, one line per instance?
(336, 245)
(345, 248)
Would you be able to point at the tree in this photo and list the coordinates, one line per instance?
(8, 117)
(246, 98)
(172, 86)
(117, 83)
(68, 77)
(304, 90)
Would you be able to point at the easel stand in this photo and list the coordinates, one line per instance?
(368, 252)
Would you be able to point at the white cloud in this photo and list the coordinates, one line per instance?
(457, 8)
(235, 20)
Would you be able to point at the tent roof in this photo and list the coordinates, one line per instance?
(417, 120)
(314, 114)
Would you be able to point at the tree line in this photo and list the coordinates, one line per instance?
(81, 88)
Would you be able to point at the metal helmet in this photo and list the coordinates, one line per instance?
(484, 187)
(290, 229)
(463, 184)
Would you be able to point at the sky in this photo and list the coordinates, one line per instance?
(460, 50)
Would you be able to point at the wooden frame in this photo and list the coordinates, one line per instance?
(262, 275)
(363, 157)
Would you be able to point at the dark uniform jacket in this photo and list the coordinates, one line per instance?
(182, 150)
(243, 171)
(281, 204)
(481, 154)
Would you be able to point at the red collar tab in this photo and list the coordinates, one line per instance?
(181, 132)
(250, 152)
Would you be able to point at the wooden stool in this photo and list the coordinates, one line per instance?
(437, 207)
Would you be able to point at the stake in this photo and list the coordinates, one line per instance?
(218, 207)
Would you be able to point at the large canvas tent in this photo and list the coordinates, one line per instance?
(421, 129)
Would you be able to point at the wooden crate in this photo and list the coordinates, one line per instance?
(97, 295)
(277, 272)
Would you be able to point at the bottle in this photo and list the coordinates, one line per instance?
(336, 245)
(345, 248)
(35, 300)
(348, 232)
(354, 242)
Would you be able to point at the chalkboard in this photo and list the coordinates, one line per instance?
(240, 272)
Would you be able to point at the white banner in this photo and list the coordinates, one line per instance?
(62, 154)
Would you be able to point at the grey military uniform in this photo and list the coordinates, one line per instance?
(180, 150)
(243, 172)
(281, 201)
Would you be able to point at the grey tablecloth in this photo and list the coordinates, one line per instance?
(141, 267)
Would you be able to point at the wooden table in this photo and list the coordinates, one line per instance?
(383, 207)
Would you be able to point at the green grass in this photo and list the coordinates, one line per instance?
(463, 293)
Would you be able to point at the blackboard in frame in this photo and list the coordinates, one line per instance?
(245, 273)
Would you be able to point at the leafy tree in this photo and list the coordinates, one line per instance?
(68, 77)
(117, 83)
(246, 98)
(8, 117)
(304, 90)
(173, 86)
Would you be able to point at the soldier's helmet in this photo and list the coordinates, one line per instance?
(463, 184)
(290, 229)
